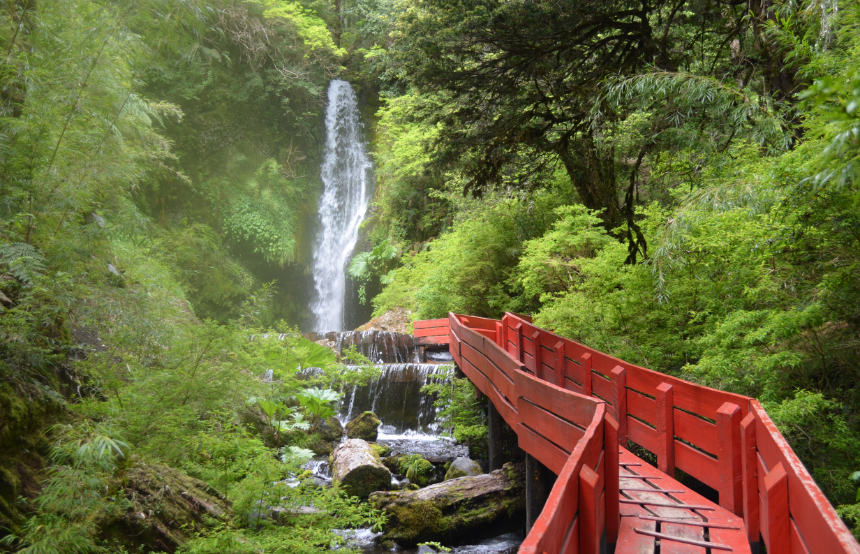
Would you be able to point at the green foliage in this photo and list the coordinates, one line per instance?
(416, 468)
(372, 266)
(461, 411)
(465, 270)
(317, 402)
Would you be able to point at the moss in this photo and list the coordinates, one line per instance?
(408, 524)
(381, 450)
(365, 426)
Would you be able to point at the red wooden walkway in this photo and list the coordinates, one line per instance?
(575, 410)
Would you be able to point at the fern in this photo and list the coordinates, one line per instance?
(23, 261)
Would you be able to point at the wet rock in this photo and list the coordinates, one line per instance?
(462, 467)
(364, 427)
(325, 434)
(356, 466)
(379, 346)
(452, 509)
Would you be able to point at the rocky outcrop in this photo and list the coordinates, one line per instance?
(365, 427)
(462, 467)
(356, 466)
(166, 507)
(452, 509)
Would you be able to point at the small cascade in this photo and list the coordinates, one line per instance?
(395, 396)
(380, 347)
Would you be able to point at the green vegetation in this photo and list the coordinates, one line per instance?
(672, 182)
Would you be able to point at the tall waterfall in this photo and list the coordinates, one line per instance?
(347, 179)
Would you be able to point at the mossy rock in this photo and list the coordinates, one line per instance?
(462, 467)
(166, 507)
(452, 509)
(365, 426)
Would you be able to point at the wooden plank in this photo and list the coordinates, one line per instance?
(798, 546)
(431, 331)
(540, 448)
(558, 430)
(665, 422)
(775, 526)
(602, 389)
(695, 430)
(559, 363)
(641, 434)
(589, 532)
(619, 399)
(816, 519)
(568, 405)
(729, 432)
(701, 466)
(749, 469)
(641, 406)
(610, 460)
(424, 323)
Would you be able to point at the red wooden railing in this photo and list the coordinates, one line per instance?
(571, 406)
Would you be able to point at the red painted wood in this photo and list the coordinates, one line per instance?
(729, 431)
(589, 535)
(641, 407)
(665, 422)
(695, 430)
(559, 362)
(587, 382)
(749, 471)
(641, 434)
(702, 467)
(431, 331)
(775, 514)
(619, 398)
(610, 460)
(745, 458)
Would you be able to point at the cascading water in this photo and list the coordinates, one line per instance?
(347, 179)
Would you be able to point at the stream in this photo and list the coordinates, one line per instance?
(409, 422)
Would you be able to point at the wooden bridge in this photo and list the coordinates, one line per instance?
(577, 411)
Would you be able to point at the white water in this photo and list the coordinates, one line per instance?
(347, 178)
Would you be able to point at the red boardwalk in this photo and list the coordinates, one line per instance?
(574, 409)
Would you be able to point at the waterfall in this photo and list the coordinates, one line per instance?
(347, 178)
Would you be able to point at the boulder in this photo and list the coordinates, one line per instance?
(452, 509)
(462, 467)
(364, 427)
(324, 435)
(356, 466)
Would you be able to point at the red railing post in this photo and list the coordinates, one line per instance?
(501, 340)
(750, 478)
(560, 363)
(776, 529)
(589, 534)
(618, 376)
(610, 461)
(665, 423)
(729, 456)
(586, 378)
(535, 336)
(519, 345)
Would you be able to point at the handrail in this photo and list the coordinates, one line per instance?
(571, 405)
(565, 431)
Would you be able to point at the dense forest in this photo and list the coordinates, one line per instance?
(674, 182)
